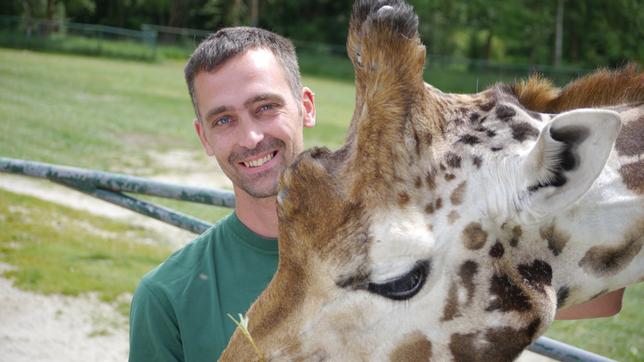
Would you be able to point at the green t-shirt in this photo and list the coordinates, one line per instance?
(179, 310)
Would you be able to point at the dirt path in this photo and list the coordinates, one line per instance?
(35, 327)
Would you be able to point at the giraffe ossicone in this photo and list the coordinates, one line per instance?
(451, 226)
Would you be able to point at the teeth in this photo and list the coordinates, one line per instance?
(261, 161)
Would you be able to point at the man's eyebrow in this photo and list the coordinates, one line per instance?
(216, 110)
(265, 96)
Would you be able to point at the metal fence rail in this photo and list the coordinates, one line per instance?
(564, 352)
(109, 187)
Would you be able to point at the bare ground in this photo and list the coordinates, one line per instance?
(36, 327)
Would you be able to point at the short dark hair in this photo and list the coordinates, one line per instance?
(229, 42)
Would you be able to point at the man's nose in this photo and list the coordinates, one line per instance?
(250, 133)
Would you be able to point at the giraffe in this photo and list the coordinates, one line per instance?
(449, 226)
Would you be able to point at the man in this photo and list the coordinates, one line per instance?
(251, 110)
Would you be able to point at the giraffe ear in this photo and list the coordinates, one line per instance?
(569, 155)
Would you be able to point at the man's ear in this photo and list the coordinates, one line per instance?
(202, 137)
(308, 106)
(569, 155)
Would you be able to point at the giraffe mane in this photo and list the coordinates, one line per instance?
(601, 88)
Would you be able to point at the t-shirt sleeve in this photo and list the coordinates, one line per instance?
(154, 332)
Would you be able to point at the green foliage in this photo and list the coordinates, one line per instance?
(595, 32)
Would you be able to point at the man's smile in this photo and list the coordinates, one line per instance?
(260, 161)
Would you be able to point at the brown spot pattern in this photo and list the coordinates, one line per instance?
(430, 180)
(453, 160)
(523, 131)
(477, 161)
(403, 198)
(538, 274)
(416, 347)
(506, 343)
(516, 235)
(453, 216)
(556, 239)
(469, 139)
(509, 296)
(468, 271)
(603, 261)
(449, 177)
(497, 250)
(457, 195)
(429, 208)
(474, 236)
(633, 176)
(418, 182)
(562, 296)
(463, 347)
(629, 142)
(503, 344)
(451, 309)
(504, 112)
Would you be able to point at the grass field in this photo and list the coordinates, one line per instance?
(115, 115)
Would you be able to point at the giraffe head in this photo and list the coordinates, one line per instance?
(435, 231)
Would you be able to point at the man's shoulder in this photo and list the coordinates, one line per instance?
(188, 260)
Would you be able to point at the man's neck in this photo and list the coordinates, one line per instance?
(259, 215)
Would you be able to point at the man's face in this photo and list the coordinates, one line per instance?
(250, 120)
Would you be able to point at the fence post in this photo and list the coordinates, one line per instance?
(150, 39)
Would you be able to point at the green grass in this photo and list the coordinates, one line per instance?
(111, 114)
(619, 337)
(91, 112)
(60, 250)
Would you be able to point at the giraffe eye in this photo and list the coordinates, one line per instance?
(404, 286)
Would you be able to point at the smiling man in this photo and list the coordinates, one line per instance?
(250, 112)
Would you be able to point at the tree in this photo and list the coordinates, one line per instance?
(559, 32)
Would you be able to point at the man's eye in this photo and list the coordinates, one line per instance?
(266, 107)
(221, 121)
